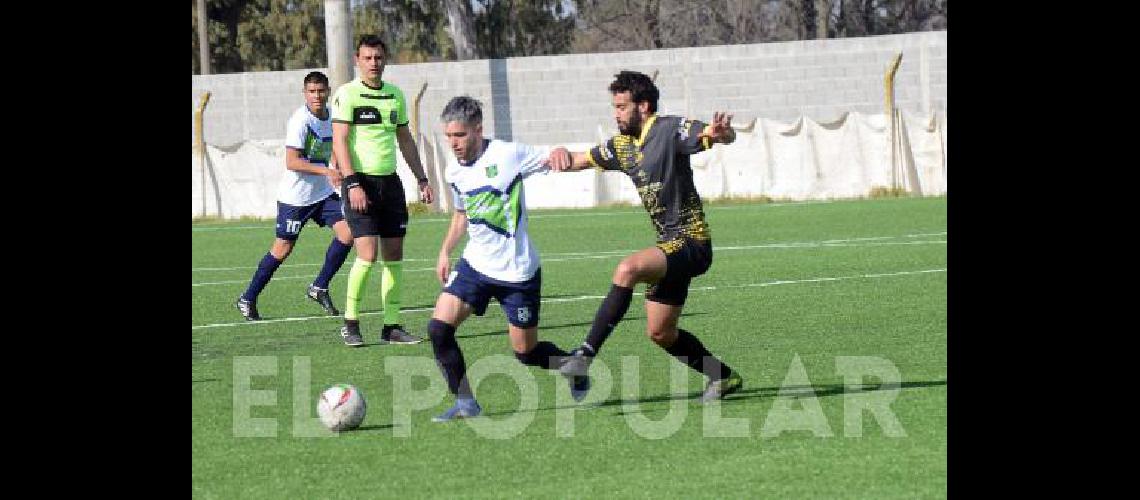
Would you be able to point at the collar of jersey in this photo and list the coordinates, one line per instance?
(327, 113)
(645, 128)
(486, 144)
(369, 87)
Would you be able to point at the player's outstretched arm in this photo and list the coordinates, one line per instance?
(562, 160)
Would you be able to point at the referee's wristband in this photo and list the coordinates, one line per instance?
(351, 181)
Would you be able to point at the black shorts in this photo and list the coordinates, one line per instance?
(387, 212)
(686, 259)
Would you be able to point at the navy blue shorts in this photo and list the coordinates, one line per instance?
(291, 218)
(520, 301)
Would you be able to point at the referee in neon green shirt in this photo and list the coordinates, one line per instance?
(369, 118)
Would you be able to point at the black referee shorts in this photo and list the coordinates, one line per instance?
(387, 212)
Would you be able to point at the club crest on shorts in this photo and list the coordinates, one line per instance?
(524, 314)
(492, 170)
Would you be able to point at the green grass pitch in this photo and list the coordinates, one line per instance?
(795, 293)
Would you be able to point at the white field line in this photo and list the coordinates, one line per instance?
(556, 255)
(552, 216)
(596, 297)
(609, 255)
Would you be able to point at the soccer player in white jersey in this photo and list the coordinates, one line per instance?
(499, 260)
(307, 191)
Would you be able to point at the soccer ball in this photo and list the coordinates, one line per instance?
(341, 407)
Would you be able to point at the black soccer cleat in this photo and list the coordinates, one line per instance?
(395, 334)
(350, 333)
(248, 309)
(321, 296)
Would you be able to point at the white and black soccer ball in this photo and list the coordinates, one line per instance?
(341, 407)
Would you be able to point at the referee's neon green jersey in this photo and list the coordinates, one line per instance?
(373, 115)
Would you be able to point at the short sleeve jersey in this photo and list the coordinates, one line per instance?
(373, 115)
(658, 164)
(312, 137)
(490, 191)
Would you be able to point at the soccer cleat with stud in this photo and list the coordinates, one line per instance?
(350, 333)
(321, 296)
(395, 334)
(463, 408)
(247, 309)
(718, 389)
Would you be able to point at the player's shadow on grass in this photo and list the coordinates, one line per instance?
(374, 427)
(545, 328)
(797, 391)
(741, 395)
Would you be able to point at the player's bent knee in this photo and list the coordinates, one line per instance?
(626, 272)
(281, 249)
(343, 233)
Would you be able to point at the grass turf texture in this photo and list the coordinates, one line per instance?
(768, 300)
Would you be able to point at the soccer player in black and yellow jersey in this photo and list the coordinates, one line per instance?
(654, 152)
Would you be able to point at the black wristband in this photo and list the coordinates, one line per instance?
(421, 181)
(351, 181)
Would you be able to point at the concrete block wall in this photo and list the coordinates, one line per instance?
(562, 99)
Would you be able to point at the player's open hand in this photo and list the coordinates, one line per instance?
(357, 200)
(559, 159)
(720, 129)
(426, 194)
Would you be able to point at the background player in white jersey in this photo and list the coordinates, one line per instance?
(499, 260)
(307, 191)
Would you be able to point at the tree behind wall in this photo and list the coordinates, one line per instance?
(258, 35)
(262, 35)
(517, 28)
(414, 30)
(461, 28)
(224, 16)
(852, 18)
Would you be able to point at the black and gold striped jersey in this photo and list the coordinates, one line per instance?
(658, 164)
